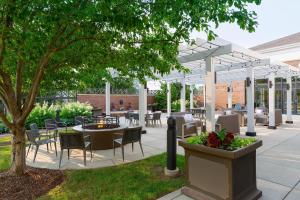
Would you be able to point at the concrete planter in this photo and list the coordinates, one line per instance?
(216, 174)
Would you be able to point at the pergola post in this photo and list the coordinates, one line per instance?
(142, 105)
(289, 119)
(229, 96)
(204, 95)
(191, 97)
(107, 98)
(271, 84)
(169, 99)
(146, 98)
(210, 83)
(250, 102)
(182, 96)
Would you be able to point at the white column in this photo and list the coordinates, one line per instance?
(191, 97)
(107, 98)
(146, 99)
(271, 83)
(142, 105)
(182, 96)
(250, 103)
(168, 99)
(289, 119)
(204, 95)
(210, 95)
(229, 96)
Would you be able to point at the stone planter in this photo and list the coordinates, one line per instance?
(216, 174)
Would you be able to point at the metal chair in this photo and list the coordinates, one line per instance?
(54, 126)
(74, 141)
(130, 135)
(156, 117)
(34, 138)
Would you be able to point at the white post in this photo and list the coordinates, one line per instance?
(191, 97)
(271, 83)
(289, 119)
(182, 96)
(210, 84)
(204, 95)
(168, 99)
(142, 105)
(229, 96)
(107, 98)
(146, 98)
(250, 102)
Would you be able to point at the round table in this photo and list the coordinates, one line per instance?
(101, 139)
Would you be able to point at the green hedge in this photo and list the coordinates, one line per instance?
(41, 112)
(70, 110)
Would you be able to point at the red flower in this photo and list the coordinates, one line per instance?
(213, 140)
(228, 139)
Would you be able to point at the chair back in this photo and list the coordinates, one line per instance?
(81, 120)
(71, 140)
(157, 115)
(135, 116)
(33, 133)
(50, 124)
(132, 135)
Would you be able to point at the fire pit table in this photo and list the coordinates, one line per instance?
(102, 133)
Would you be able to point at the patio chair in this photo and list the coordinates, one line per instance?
(261, 116)
(52, 127)
(231, 123)
(156, 117)
(74, 141)
(34, 139)
(130, 135)
(128, 117)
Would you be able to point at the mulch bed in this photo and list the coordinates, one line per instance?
(35, 183)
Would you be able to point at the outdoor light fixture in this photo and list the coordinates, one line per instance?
(215, 77)
(228, 89)
(248, 82)
(270, 84)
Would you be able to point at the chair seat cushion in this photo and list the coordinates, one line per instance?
(44, 141)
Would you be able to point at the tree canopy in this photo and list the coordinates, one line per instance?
(43, 40)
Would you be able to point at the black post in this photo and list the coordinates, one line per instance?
(171, 169)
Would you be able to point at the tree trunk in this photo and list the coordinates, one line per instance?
(18, 160)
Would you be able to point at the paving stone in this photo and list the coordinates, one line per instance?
(271, 191)
(293, 195)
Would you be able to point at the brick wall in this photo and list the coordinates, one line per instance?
(238, 95)
(98, 100)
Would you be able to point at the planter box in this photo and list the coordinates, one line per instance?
(216, 174)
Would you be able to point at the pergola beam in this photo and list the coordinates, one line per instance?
(204, 54)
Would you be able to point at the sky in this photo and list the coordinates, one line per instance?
(276, 18)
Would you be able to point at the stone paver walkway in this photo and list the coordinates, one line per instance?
(278, 163)
(278, 160)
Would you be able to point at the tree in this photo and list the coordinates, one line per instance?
(161, 95)
(138, 38)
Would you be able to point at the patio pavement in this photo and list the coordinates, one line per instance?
(278, 160)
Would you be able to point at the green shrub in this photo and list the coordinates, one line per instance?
(3, 128)
(70, 110)
(40, 113)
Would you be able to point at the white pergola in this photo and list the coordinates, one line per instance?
(219, 61)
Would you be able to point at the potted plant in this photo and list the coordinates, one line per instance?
(221, 166)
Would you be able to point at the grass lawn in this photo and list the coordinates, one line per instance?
(138, 180)
(4, 139)
(4, 157)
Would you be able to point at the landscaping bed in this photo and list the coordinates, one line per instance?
(33, 184)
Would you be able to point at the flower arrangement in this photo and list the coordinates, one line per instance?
(221, 140)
